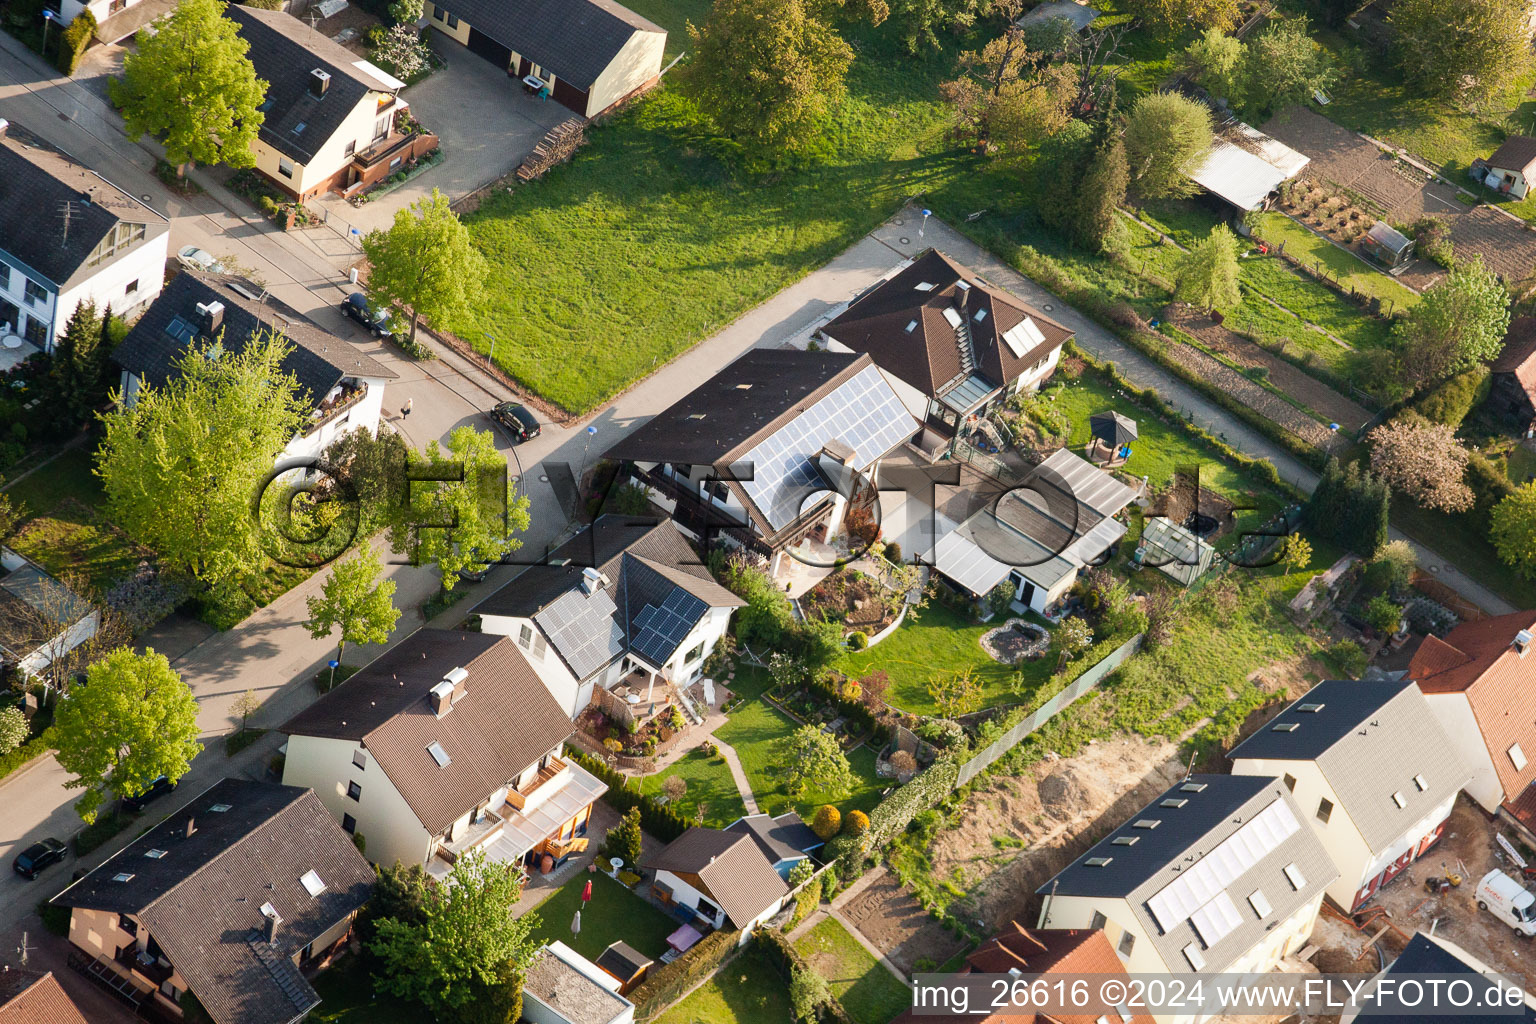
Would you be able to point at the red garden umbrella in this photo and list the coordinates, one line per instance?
(586, 892)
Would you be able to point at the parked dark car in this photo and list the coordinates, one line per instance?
(37, 857)
(518, 421)
(356, 307)
(157, 789)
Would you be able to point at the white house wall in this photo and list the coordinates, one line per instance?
(689, 896)
(39, 660)
(142, 266)
(364, 415)
(552, 672)
(391, 828)
(637, 62)
(1346, 847)
(1454, 713)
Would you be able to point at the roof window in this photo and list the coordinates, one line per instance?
(1284, 726)
(925, 286)
(911, 326)
(1192, 954)
(1311, 709)
(219, 808)
(1399, 799)
(1516, 757)
(154, 854)
(439, 754)
(123, 876)
(981, 314)
(1146, 823)
(298, 129)
(1192, 787)
(1098, 862)
(1418, 780)
(696, 415)
(1295, 877)
(1174, 801)
(312, 883)
(1126, 840)
(1259, 902)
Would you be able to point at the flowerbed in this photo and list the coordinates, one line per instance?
(1014, 641)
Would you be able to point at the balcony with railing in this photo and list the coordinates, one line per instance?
(337, 401)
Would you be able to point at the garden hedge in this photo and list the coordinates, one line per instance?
(656, 818)
(35, 747)
(666, 984)
(892, 815)
(73, 41)
(789, 962)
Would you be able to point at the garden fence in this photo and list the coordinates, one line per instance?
(1050, 709)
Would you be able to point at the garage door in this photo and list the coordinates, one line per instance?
(489, 48)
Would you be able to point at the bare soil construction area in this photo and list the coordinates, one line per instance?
(1018, 831)
(887, 915)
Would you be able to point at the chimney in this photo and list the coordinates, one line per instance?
(270, 920)
(319, 82)
(212, 316)
(962, 294)
(442, 698)
(591, 580)
(456, 679)
(4, 124)
(191, 826)
(1523, 641)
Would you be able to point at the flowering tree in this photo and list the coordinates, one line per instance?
(402, 49)
(1423, 461)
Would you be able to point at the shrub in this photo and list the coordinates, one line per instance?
(856, 823)
(1349, 657)
(827, 822)
(1383, 614)
(1391, 569)
(893, 552)
(903, 762)
(13, 729)
(73, 41)
(1450, 402)
(858, 640)
(55, 918)
(623, 840)
(666, 983)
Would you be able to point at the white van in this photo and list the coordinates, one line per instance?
(1509, 901)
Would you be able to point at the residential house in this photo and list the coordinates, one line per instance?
(627, 965)
(768, 452)
(1066, 953)
(1512, 386)
(330, 120)
(953, 346)
(228, 898)
(1370, 766)
(785, 840)
(27, 997)
(590, 55)
(724, 878)
(626, 601)
(41, 619)
(1478, 681)
(1430, 956)
(1036, 536)
(1245, 167)
(1215, 876)
(116, 20)
(564, 987)
(446, 743)
(67, 236)
(345, 388)
(1512, 166)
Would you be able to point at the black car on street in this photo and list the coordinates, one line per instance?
(518, 421)
(356, 307)
(37, 857)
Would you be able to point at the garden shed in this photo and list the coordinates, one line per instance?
(1387, 246)
(1175, 550)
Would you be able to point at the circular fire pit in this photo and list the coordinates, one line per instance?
(1014, 641)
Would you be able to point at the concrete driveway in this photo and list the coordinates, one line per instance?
(486, 122)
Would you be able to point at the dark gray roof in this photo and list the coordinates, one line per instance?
(284, 50)
(37, 181)
(505, 721)
(622, 960)
(319, 360)
(1372, 740)
(783, 838)
(1258, 829)
(1424, 955)
(202, 899)
(575, 40)
(575, 997)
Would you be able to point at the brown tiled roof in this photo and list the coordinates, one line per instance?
(35, 999)
(735, 871)
(1518, 357)
(1500, 685)
(1522, 807)
(928, 357)
(201, 900)
(1517, 153)
(1067, 951)
(505, 721)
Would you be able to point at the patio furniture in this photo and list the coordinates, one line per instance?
(684, 938)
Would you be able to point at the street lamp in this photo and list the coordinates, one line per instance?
(493, 346)
(591, 433)
(48, 16)
(924, 224)
(334, 666)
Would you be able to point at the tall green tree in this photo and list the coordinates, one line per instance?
(1513, 529)
(1284, 64)
(373, 465)
(1169, 18)
(191, 85)
(182, 463)
(131, 721)
(1208, 272)
(1458, 324)
(355, 600)
(81, 330)
(1214, 61)
(424, 263)
(1007, 97)
(766, 73)
(461, 511)
(1086, 187)
(919, 22)
(468, 942)
(1167, 134)
(1452, 48)
(812, 759)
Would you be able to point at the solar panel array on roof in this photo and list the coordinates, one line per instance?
(1023, 337)
(864, 413)
(1208, 877)
(584, 629)
(659, 630)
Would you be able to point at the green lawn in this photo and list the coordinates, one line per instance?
(614, 913)
(940, 642)
(646, 243)
(1522, 464)
(1346, 267)
(870, 993)
(754, 732)
(66, 530)
(745, 991)
(709, 780)
(346, 994)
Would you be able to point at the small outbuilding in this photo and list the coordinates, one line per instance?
(625, 963)
(1511, 166)
(1387, 246)
(1176, 551)
(1245, 166)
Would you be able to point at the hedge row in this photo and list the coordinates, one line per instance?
(666, 984)
(73, 41)
(788, 961)
(656, 818)
(35, 747)
(892, 815)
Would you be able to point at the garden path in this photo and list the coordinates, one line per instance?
(738, 774)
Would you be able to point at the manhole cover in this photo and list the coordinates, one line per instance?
(898, 222)
(905, 241)
(543, 479)
(1047, 307)
(145, 197)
